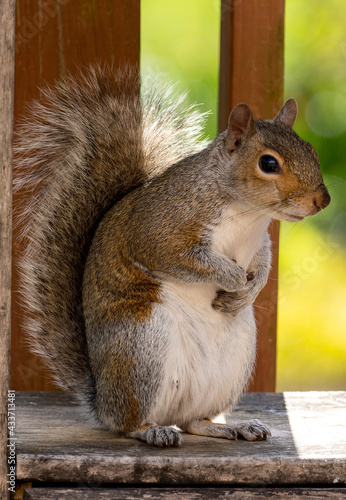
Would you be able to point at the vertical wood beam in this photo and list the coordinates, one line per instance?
(7, 11)
(251, 71)
(53, 38)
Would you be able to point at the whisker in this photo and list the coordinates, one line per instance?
(266, 210)
(340, 181)
(295, 227)
(259, 215)
(261, 307)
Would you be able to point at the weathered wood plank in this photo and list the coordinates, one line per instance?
(7, 11)
(308, 446)
(184, 494)
(252, 71)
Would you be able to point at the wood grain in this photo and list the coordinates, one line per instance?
(307, 447)
(53, 38)
(251, 71)
(7, 11)
(175, 493)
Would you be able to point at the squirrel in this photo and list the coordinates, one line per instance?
(146, 248)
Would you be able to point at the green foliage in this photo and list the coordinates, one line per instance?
(315, 74)
(312, 307)
(181, 41)
(312, 310)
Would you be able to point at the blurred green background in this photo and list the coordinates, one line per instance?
(181, 40)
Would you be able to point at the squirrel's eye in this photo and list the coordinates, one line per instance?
(269, 165)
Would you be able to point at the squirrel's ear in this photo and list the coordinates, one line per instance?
(240, 125)
(287, 113)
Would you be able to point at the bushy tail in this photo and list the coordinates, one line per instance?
(94, 140)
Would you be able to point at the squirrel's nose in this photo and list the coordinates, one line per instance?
(321, 198)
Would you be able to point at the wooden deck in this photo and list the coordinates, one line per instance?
(55, 444)
(185, 494)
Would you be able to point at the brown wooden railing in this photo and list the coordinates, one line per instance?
(6, 128)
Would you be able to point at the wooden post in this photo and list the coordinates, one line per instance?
(7, 10)
(251, 71)
(53, 38)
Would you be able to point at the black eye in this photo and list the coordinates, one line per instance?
(269, 165)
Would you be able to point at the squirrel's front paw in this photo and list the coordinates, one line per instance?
(233, 279)
(231, 302)
(235, 302)
(223, 301)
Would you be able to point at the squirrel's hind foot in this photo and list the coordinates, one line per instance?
(158, 436)
(253, 430)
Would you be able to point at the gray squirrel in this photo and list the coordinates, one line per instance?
(146, 249)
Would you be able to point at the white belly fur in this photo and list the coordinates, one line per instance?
(211, 354)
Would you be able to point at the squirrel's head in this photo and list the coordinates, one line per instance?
(277, 170)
